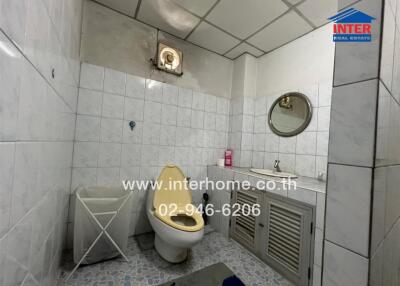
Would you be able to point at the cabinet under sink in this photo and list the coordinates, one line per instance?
(282, 235)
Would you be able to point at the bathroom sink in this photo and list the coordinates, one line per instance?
(272, 173)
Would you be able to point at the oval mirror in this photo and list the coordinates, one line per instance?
(290, 114)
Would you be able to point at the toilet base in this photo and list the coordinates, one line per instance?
(170, 252)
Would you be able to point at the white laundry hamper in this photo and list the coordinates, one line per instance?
(101, 225)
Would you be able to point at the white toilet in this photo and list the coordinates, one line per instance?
(179, 231)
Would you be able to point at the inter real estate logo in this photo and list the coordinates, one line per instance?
(352, 25)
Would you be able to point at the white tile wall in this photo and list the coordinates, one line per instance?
(173, 125)
(304, 154)
(37, 127)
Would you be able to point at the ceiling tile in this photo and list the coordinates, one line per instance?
(243, 48)
(294, 2)
(318, 11)
(197, 7)
(211, 38)
(242, 18)
(167, 16)
(282, 31)
(125, 6)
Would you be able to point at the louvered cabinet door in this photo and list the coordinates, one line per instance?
(245, 229)
(287, 239)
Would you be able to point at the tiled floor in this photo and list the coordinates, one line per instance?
(147, 268)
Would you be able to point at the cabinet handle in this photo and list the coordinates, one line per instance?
(260, 224)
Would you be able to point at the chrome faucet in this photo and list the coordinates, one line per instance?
(276, 166)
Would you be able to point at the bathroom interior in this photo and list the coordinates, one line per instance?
(143, 90)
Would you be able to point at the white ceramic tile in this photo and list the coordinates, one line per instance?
(166, 155)
(324, 93)
(87, 128)
(184, 117)
(170, 94)
(303, 195)
(257, 160)
(86, 154)
(356, 61)
(130, 155)
(378, 208)
(305, 165)
(306, 143)
(135, 86)
(311, 91)
(185, 98)
(83, 177)
(322, 143)
(111, 130)
(287, 144)
(89, 102)
(114, 82)
(158, 15)
(209, 121)
(167, 135)
(352, 128)
(151, 133)
(209, 37)
(36, 34)
(320, 211)
(222, 105)
(248, 123)
(10, 63)
(109, 155)
(391, 251)
(388, 43)
(15, 29)
(321, 165)
(343, 267)
(197, 119)
(271, 142)
(113, 106)
(108, 177)
(133, 109)
(169, 115)
(132, 136)
(396, 70)
(348, 204)
(288, 162)
(324, 116)
(152, 112)
(153, 90)
(392, 197)
(319, 237)
(92, 77)
(283, 30)
(253, 15)
(198, 101)
(210, 103)
(260, 106)
(6, 179)
(259, 142)
(243, 48)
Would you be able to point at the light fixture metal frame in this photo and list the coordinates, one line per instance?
(178, 70)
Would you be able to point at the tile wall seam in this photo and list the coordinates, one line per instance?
(35, 68)
(58, 38)
(346, 248)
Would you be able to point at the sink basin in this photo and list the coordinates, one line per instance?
(272, 173)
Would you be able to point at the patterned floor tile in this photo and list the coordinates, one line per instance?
(147, 268)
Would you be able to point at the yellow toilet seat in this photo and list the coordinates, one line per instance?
(174, 194)
(182, 212)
